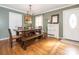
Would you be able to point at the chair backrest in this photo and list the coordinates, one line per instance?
(40, 27)
(10, 37)
(10, 34)
(20, 28)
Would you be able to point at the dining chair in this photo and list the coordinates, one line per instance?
(12, 38)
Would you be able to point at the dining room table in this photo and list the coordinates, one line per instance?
(29, 32)
(32, 35)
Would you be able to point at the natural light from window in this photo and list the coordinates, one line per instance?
(38, 21)
(73, 20)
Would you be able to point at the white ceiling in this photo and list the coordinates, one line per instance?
(36, 8)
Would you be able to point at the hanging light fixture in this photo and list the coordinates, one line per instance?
(28, 17)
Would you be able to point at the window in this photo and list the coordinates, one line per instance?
(73, 20)
(38, 21)
(15, 21)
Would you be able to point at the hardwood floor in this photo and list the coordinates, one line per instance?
(49, 46)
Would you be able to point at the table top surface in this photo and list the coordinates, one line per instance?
(25, 30)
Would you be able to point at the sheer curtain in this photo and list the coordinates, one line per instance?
(39, 21)
(15, 21)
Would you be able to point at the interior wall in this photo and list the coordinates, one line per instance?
(47, 16)
(4, 21)
(33, 21)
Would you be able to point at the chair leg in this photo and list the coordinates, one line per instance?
(11, 44)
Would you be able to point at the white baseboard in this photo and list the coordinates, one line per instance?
(69, 39)
(4, 38)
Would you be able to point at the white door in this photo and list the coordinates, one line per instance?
(71, 24)
(15, 20)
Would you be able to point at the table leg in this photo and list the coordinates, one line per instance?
(23, 45)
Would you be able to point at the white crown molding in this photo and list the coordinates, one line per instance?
(12, 9)
(56, 9)
(38, 13)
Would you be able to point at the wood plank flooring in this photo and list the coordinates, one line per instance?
(49, 46)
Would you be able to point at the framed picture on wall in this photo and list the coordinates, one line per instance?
(55, 19)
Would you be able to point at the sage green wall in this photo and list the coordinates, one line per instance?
(33, 21)
(47, 16)
(4, 21)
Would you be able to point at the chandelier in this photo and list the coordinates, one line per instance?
(28, 17)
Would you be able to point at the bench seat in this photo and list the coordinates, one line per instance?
(29, 40)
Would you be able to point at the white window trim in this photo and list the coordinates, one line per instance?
(39, 19)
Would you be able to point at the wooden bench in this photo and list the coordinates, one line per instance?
(30, 40)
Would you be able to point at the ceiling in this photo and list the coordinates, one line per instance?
(36, 8)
